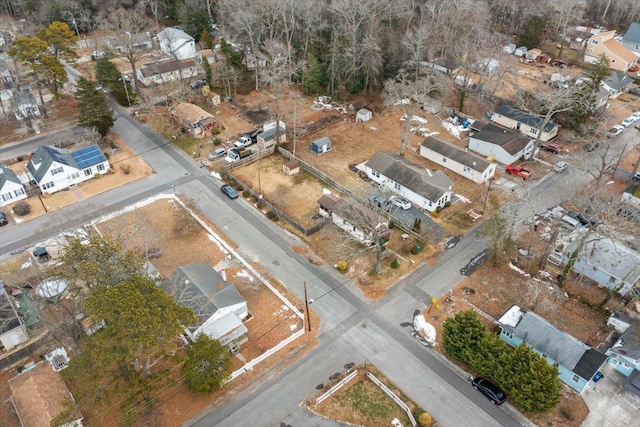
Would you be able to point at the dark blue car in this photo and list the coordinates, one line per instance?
(489, 389)
(229, 191)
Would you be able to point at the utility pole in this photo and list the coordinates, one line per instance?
(126, 91)
(306, 308)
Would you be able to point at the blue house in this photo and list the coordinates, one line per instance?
(624, 355)
(577, 362)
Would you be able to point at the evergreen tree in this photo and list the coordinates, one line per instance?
(314, 79)
(528, 379)
(462, 334)
(207, 71)
(207, 366)
(234, 57)
(94, 110)
(206, 40)
(485, 359)
(108, 75)
(597, 72)
(533, 32)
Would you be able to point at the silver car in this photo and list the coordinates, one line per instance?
(561, 166)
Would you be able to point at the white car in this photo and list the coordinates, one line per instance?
(628, 121)
(400, 202)
(615, 131)
(561, 166)
(636, 116)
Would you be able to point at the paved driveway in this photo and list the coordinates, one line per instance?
(610, 405)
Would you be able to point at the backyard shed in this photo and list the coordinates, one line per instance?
(363, 115)
(321, 145)
(291, 167)
(521, 51)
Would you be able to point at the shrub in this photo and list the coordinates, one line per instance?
(447, 204)
(395, 263)
(415, 250)
(239, 188)
(342, 266)
(233, 182)
(22, 209)
(425, 420)
(391, 225)
(126, 169)
(259, 204)
(272, 215)
(246, 193)
(434, 214)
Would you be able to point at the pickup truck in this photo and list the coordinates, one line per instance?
(518, 170)
(236, 154)
(243, 142)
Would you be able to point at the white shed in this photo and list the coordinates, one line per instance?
(363, 115)
(521, 51)
(510, 48)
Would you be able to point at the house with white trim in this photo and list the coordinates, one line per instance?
(624, 354)
(525, 123)
(176, 43)
(11, 189)
(13, 331)
(428, 189)
(577, 362)
(166, 70)
(219, 307)
(617, 83)
(349, 216)
(500, 144)
(457, 160)
(620, 58)
(55, 169)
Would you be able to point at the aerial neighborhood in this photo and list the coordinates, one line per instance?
(347, 212)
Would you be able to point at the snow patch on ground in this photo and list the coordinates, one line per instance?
(293, 327)
(216, 175)
(421, 325)
(27, 264)
(452, 129)
(515, 268)
(414, 119)
(243, 273)
(18, 220)
(219, 244)
(462, 198)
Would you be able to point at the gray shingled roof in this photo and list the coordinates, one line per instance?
(633, 33)
(8, 317)
(452, 152)
(202, 289)
(161, 67)
(524, 117)
(7, 175)
(45, 156)
(511, 142)
(427, 183)
(557, 345)
(618, 80)
(630, 343)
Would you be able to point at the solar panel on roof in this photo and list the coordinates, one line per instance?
(88, 156)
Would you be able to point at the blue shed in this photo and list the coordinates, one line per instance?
(321, 145)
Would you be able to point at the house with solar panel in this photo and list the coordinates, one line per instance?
(577, 362)
(55, 169)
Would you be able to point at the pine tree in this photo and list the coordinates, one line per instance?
(94, 110)
(207, 366)
(462, 334)
(207, 70)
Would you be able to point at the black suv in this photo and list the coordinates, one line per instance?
(198, 84)
(489, 389)
(3, 219)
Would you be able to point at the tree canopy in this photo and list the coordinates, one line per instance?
(45, 67)
(207, 366)
(94, 110)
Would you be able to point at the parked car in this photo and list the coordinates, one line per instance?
(591, 146)
(218, 152)
(628, 121)
(635, 115)
(243, 142)
(636, 177)
(586, 219)
(552, 148)
(229, 191)
(489, 389)
(253, 135)
(382, 202)
(3, 219)
(561, 166)
(400, 202)
(198, 84)
(615, 131)
(568, 219)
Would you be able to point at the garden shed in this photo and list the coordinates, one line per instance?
(363, 115)
(521, 51)
(291, 167)
(321, 145)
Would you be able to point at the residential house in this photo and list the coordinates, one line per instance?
(577, 37)
(528, 124)
(167, 70)
(193, 118)
(617, 83)
(500, 144)
(607, 262)
(630, 203)
(426, 188)
(176, 43)
(11, 189)
(270, 136)
(24, 104)
(620, 58)
(128, 41)
(218, 305)
(624, 355)
(55, 169)
(631, 39)
(38, 396)
(601, 99)
(459, 161)
(576, 361)
(6, 76)
(13, 331)
(209, 54)
(348, 216)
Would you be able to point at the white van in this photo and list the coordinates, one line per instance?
(571, 221)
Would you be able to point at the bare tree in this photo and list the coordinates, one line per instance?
(564, 14)
(248, 21)
(408, 94)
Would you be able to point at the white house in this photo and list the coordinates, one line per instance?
(617, 83)
(218, 305)
(624, 355)
(503, 145)
(348, 216)
(11, 189)
(167, 70)
(428, 189)
(606, 261)
(527, 124)
(55, 169)
(12, 330)
(456, 160)
(176, 43)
